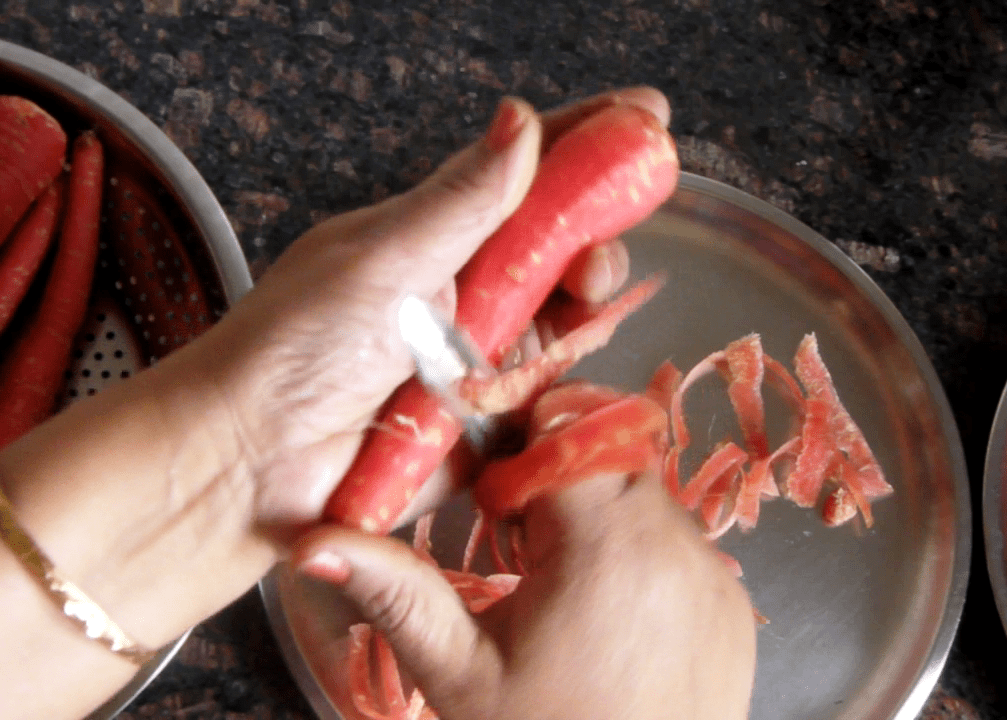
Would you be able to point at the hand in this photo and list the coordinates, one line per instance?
(626, 613)
(155, 495)
(308, 357)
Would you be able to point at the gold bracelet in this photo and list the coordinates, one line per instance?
(81, 610)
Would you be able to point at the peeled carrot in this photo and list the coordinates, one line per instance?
(32, 152)
(33, 373)
(23, 254)
(601, 177)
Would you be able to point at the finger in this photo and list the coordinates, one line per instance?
(445, 299)
(556, 122)
(413, 606)
(575, 518)
(432, 230)
(597, 271)
(599, 510)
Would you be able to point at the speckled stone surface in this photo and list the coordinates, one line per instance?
(880, 123)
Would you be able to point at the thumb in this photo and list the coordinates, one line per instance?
(599, 514)
(435, 227)
(407, 600)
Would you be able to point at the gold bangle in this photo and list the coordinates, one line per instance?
(81, 610)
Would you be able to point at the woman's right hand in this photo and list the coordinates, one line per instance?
(627, 612)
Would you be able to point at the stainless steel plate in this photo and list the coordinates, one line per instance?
(861, 621)
(994, 508)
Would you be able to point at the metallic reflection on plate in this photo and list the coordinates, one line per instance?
(994, 510)
(861, 621)
(118, 702)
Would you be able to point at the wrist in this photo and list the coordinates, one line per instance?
(141, 497)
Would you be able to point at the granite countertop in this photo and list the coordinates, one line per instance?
(882, 124)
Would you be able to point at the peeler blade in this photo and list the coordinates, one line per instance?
(443, 356)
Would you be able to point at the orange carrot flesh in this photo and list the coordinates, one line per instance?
(33, 373)
(600, 178)
(32, 152)
(21, 257)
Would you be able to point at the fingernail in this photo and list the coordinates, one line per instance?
(326, 565)
(506, 125)
(599, 274)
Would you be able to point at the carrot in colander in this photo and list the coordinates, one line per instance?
(33, 373)
(32, 152)
(21, 257)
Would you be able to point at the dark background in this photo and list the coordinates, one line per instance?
(882, 124)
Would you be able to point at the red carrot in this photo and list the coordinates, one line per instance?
(570, 453)
(32, 152)
(33, 373)
(154, 276)
(600, 178)
(22, 256)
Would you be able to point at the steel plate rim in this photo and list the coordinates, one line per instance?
(992, 497)
(953, 604)
(118, 702)
(269, 591)
(194, 194)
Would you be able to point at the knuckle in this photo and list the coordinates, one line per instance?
(458, 181)
(390, 608)
(481, 208)
(483, 201)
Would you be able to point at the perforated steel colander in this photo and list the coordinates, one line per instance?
(106, 352)
(169, 265)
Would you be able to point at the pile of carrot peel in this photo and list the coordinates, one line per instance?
(824, 451)
(580, 429)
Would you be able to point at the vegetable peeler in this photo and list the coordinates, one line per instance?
(444, 355)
